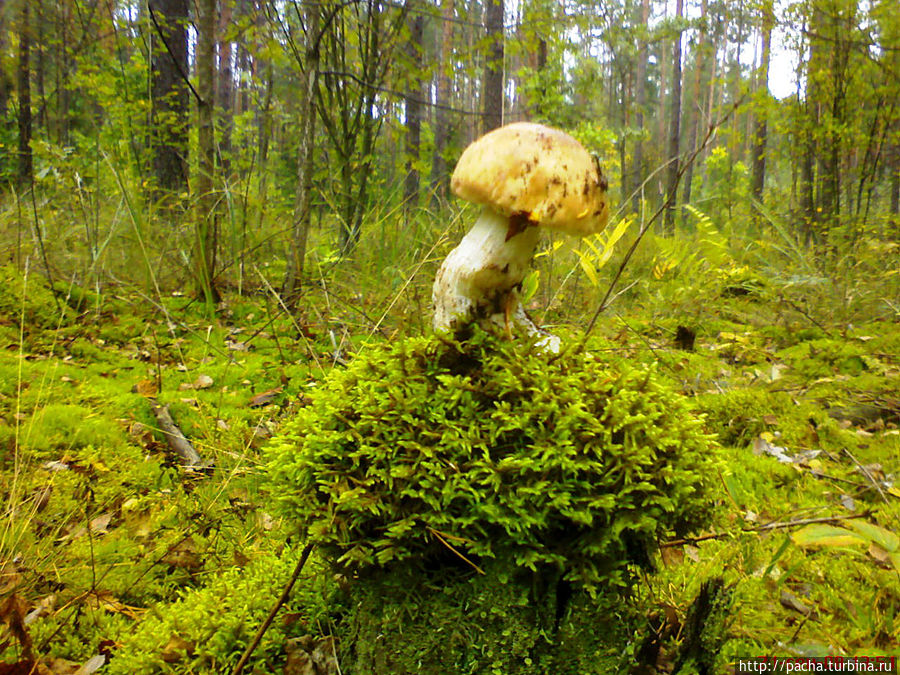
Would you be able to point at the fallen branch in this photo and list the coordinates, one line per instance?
(176, 439)
(285, 594)
(777, 525)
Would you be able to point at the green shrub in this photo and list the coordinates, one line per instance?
(432, 449)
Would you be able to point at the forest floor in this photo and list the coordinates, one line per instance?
(114, 554)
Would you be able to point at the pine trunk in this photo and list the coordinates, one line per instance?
(25, 169)
(674, 130)
(413, 103)
(305, 156)
(442, 102)
(493, 72)
(207, 235)
(170, 103)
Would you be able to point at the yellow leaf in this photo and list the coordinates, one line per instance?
(821, 535)
(588, 267)
(884, 538)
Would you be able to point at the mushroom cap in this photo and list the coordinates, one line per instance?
(536, 172)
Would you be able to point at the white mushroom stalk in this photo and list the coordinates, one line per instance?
(526, 176)
(480, 279)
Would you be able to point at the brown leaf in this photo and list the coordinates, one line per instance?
(27, 667)
(265, 398)
(790, 601)
(184, 555)
(12, 613)
(203, 382)
(672, 556)
(108, 602)
(146, 388)
(176, 649)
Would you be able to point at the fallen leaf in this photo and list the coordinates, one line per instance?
(790, 601)
(45, 605)
(879, 554)
(146, 388)
(176, 649)
(672, 556)
(92, 665)
(203, 382)
(265, 398)
(762, 445)
(826, 535)
(884, 538)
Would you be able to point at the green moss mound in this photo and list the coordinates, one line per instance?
(431, 450)
(472, 624)
(26, 300)
(208, 629)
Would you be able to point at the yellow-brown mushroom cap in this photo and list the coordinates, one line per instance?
(536, 172)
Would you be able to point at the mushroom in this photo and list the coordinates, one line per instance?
(526, 176)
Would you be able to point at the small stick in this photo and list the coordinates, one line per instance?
(285, 593)
(867, 474)
(763, 528)
(176, 439)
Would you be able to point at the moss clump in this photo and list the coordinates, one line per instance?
(471, 624)
(207, 630)
(28, 301)
(432, 449)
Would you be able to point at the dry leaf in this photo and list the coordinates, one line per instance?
(146, 388)
(203, 382)
(672, 555)
(92, 665)
(790, 601)
(176, 649)
(265, 398)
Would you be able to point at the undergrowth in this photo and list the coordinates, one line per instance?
(110, 548)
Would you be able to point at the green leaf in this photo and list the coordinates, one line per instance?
(886, 539)
(826, 536)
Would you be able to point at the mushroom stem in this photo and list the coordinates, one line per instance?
(481, 278)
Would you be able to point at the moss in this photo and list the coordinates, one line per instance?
(499, 622)
(494, 450)
(208, 628)
(741, 415)
(27, 299)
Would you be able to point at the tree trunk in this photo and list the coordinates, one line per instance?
(696, 107)
(225, 86)
(761, 127)
(894, 168)
(637, 171)
(442, 102)
(305, 156)
(207, 235)
(493, 68)
(170, 102)
(674, 128)
(25, 170)
(6, 83)
(413, 103)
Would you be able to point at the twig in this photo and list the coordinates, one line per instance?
(464, 558)
(865, 472)
(285, 593)
(777, 525)
(176, 439)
